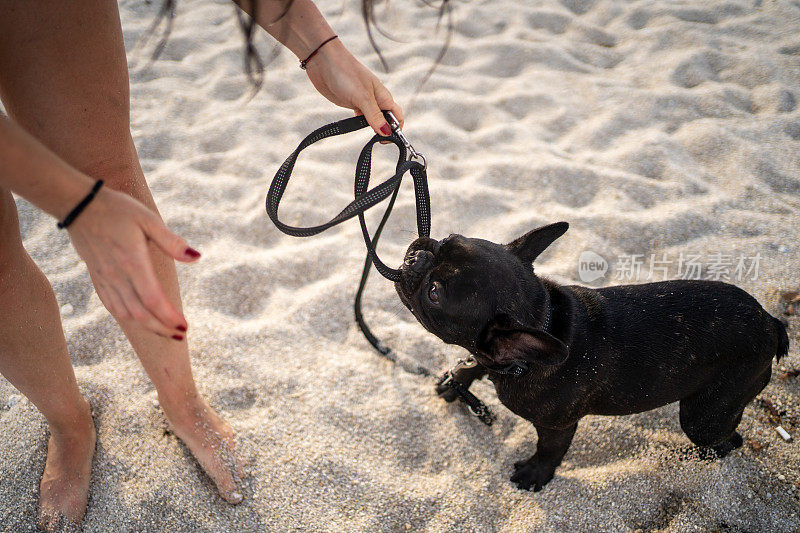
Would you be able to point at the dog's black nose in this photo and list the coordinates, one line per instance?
(419, 261)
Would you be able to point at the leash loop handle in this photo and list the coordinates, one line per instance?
(365, 198)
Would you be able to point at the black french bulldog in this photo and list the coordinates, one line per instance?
(557, 353)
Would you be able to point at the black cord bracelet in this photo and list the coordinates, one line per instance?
(70, 218)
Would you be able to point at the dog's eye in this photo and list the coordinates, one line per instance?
(433, 292)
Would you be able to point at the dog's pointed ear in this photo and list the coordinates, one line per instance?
(529, 246)
(504, 340)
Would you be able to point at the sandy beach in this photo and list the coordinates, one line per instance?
(659, 130)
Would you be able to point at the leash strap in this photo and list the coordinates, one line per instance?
(409, 366)
(478, 408)
(365, 198)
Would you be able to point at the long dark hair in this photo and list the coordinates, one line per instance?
(254, 65)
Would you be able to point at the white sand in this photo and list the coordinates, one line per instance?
(651, 126)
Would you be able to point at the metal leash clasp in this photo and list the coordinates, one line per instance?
(413, 154)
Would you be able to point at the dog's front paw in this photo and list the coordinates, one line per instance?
(532, 474)
(733, 442)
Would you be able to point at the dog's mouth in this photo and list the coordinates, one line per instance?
(420, 259)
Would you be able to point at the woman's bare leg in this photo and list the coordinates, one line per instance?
(63, 77)
(33, 357)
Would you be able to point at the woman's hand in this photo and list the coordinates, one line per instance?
(112, 235)
(336, 74)
(343, 80)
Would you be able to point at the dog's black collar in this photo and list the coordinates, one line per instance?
(516, 369)
(548, 317)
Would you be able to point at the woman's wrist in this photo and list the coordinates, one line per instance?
(301, 29)
(79, 208)
(328, 53)
(69, 188)
(304, 62)
(32, 171)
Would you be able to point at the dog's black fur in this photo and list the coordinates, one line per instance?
(610, 351)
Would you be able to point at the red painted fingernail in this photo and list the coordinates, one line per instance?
(181, 328)
(178, 337)
(191, 252)
(386, 130)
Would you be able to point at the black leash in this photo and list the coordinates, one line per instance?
(365, 198)
(448, 379)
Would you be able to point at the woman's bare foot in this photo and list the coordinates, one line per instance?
(64, 490)
(212, 442)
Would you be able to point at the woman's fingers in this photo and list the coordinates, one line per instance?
(147, 290)
(172, 245)
(110, 299)
(397, 111)
(124, 295)
(369, 107)
(385, 101)
(139, 313)
(130, 290)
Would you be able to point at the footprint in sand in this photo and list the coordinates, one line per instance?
(699, 68)
(553, 22)
(579, 7)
